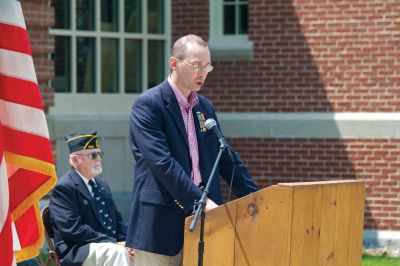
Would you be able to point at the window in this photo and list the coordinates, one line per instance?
(234, 16)
(109, 47)
(228, 30)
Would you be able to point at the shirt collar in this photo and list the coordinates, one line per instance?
(184, 103)
(85, 179)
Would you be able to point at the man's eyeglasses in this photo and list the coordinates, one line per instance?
(93, 155)
(198, 68)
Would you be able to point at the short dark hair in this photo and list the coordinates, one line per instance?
(179, 49)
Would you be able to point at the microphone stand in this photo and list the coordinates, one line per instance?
(201, 204)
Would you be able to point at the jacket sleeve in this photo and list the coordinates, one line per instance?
(242, 183)
(66, 220)
(122, 228)
(147, 134)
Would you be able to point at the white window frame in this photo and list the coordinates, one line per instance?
(226, 47)
(97, 102)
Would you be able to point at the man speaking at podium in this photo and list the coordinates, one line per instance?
(174, 156)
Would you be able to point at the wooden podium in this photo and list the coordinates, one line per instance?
(289, 224)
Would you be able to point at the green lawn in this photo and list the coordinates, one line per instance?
(380, 261)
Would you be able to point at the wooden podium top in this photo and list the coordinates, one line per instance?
(321, 183)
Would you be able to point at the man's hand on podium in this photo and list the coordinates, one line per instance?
(210, 205)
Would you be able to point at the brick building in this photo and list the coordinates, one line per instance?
(305, 90)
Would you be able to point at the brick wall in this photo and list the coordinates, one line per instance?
(377, 161)
(39, 17)
(189, 17)
(315, 56)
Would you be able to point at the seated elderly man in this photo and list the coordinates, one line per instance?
(88, 229)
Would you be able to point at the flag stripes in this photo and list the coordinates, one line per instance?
(6, 254)
(24, 118)
(11, 14)
(26, 150)
(20, 91)
(16, 40)
(17, 65)
(27, 145)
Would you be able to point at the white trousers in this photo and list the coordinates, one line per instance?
(143, 258)
(107, 254)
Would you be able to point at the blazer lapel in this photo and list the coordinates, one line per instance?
(200, 142)
(173, 107)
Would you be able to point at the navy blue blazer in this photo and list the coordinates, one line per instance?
(163, 192)
(76, 221)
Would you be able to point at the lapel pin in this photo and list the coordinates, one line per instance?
(202, 121)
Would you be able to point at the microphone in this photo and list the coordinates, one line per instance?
(210, 124)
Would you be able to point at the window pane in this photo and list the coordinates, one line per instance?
(109, 15)
(133, 66)
(85, 51)
(243, 19)
(155, 18)
(229, 19)
(155, 62)
(133, 16)
(62, 14)
(62, 64)
(109, 65)
(85, 14)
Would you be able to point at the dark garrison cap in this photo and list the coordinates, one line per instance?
(82, 141)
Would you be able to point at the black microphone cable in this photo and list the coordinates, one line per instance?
(230, 186)
(211, 124)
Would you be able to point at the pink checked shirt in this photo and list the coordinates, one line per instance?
(186, 106)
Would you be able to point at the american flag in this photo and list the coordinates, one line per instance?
(27, 169)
